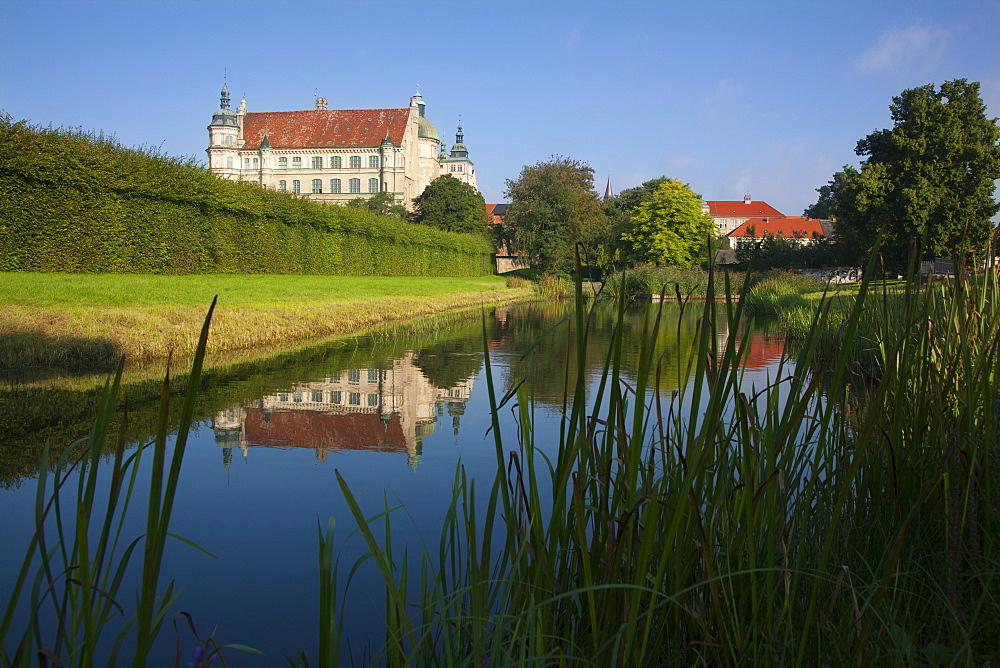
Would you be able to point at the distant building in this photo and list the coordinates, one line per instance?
(506, 260)
(803, 229)
(730, 214)
(334, 155)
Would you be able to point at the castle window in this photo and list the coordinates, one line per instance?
(335, 185)
(296, 163)
(282, 163)
(256, 163)
(355, 162)
(354, 185)
(354, 376)
(317, 397)
(282, 186)
(317, 185)
(317, 162)
(335, 162)
(373, 162)
(229, 140)
(229, 163)
(373, 400)
(372, 375)
(336, 397)
(246, 163)
(296, 187)
(373, 185)
(297, 396)
(354, 398)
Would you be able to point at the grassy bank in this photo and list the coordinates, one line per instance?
(84, 321)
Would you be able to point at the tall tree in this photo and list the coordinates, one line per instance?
(670, 228)
(553, 207)
(929, 180)
(452, 205)
(826, 205)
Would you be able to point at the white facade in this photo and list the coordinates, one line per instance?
(334, 156)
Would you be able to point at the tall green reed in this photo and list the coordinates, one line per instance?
(821, 519)
(70, 584)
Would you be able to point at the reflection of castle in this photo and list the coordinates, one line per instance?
(390, 409)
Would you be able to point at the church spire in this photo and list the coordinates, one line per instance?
(608, 192)
(225, 95)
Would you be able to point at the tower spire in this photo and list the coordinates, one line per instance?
(608, 192)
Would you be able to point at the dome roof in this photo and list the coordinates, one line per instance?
(226, 117)
(426, 130)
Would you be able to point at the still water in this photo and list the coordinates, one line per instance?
(394, 412)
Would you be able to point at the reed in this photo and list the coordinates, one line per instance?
(70, 585)
(820, 520)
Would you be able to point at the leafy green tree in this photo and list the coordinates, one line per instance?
(826, 206)
(382, 203)
(929, 180)
(553, 207)
(451, 205)
(670, 228)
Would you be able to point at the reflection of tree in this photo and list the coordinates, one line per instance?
(548, 366)
(449, 363)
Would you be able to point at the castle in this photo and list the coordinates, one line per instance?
(334, 155)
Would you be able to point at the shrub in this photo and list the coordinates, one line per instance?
(77, 202)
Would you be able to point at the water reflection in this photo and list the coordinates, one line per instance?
(392, 408)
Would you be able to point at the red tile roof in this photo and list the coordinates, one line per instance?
(739, 208)
(312, 429)
(792, 227)
(325, 128)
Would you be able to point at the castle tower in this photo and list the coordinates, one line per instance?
(457, 162)
(223, 139)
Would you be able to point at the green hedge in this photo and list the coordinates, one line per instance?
(78, 202)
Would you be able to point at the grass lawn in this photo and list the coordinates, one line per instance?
(86, 321)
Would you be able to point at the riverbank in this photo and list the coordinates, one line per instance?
(85, 322)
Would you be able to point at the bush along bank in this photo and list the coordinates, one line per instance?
(78, 202)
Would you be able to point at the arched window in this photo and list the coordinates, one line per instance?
(354, 185)
(373, 185)
(282, 186)
(335, 185)
(256, 163)
(317, 162)
(282, 163)
(296, 163)
(317, 185)
(229, 163)
(229, 140)
(373, 162)
(335, 162)
(296, 187)
(246, 163)
(355, 162)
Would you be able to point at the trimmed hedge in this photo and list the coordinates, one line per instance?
(78, 202)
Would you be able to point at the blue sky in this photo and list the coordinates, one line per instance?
(737, 97)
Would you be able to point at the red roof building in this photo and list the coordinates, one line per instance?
(788, 227)
(730, 214)
(334, 155)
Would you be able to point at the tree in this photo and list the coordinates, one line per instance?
(670, 228)
(825, 206)
(929, 180)
(382, 203)
(452, 205)
(553, 207)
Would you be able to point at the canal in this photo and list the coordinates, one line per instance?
(395, 412)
